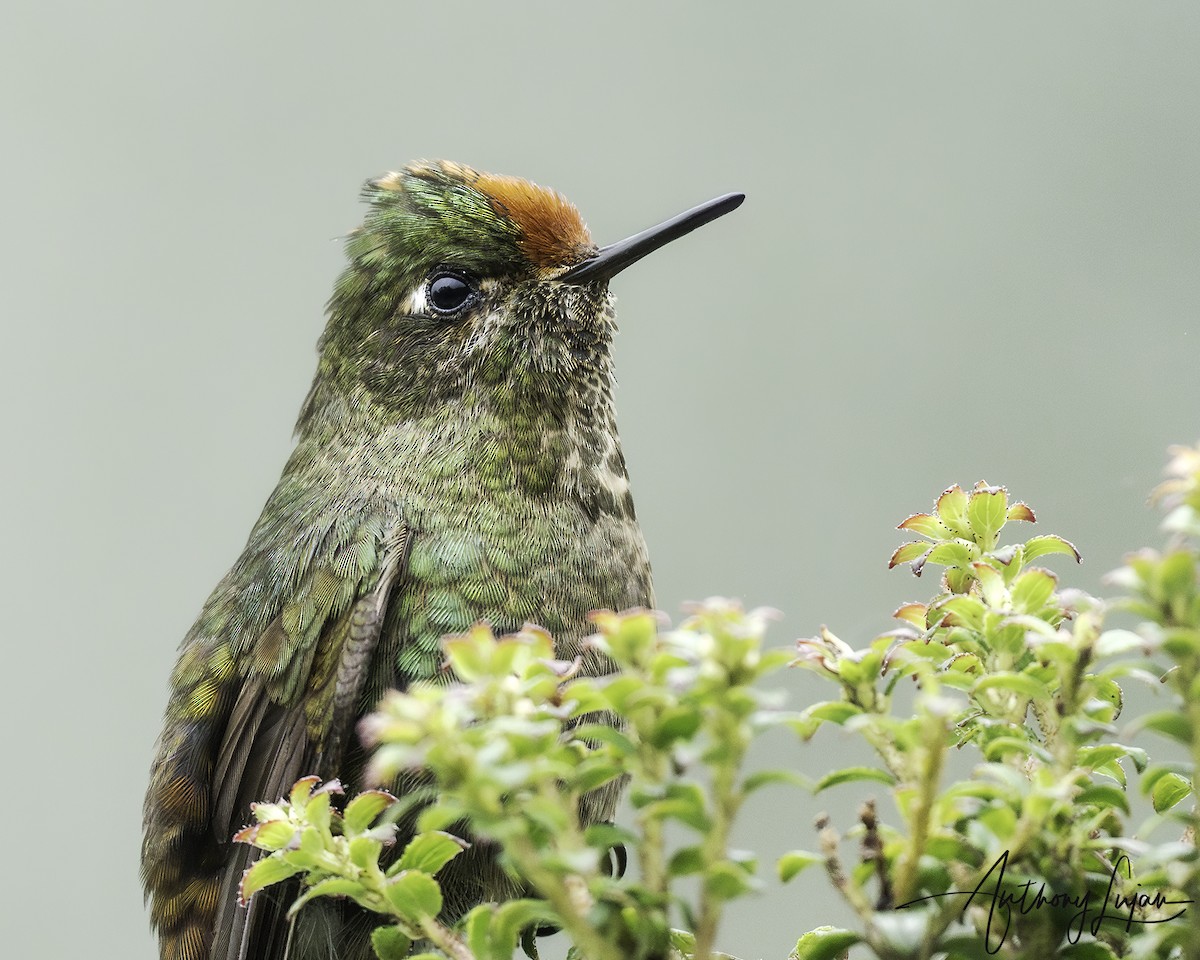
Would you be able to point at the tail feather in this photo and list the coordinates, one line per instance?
(271, 765)
(177, 828)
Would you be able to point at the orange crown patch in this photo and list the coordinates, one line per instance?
(552, 231)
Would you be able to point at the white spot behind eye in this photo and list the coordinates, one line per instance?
(418, 302)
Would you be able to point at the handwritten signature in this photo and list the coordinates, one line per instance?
(1026, 898)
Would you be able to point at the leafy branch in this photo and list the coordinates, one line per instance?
(1032, 854)
(515, 749)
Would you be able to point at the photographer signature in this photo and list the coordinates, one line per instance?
(1026, 897)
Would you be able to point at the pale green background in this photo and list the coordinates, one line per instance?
(970, 249)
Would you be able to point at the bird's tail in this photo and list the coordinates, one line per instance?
(182, 863)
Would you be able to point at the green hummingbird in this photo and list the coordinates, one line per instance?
(456, 461)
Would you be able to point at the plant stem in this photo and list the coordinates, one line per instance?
(568, 895)
(652, 850)
(727, 799)
(446, 940)
(932, 758)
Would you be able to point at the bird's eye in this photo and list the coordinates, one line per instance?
(450, 292)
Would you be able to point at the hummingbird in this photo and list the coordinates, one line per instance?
(456, 461)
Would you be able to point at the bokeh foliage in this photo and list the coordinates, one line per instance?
(1037, 852)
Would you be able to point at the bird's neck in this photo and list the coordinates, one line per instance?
(478, 441)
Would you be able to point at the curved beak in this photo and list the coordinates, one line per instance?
(608, 261)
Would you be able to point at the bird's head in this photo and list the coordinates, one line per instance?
(466, 285)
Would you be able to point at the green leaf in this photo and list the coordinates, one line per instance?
(953, 553)
(914, 613)
(805, 727)
(389, 943)
(1001, 821)
(966, 664)
(429, 852)
(1181, 643)
(824, 943)
(1010, 782)
(907, 552)
(329, 887)
(302, 789)
(1019, 683)
(726, 880)
(685, 802)
(991, 582)
(1021, 511)
(951, 508)
(998, 748)
(415, 895)
(318, 811)
(926, 525)
(477, 929)
(1157, 771)
(1113, 770)
(678, 723)
(958, 579)
(595, 772)
(604, 836)
(686, 861)
(987, 509)
(834, 711)
(1097, 756)
(1168, 791)
(1041, 546)
(631, 637)
(1032, 590)
(1106, 699)
(363, 809)
(272, 835)
(364, 851)
(1170, 723)
(851, 774)
(513, 917)
(1115, 642)
(602, 733)
(794, 861)
(471, 654)
(312, 847)
(1102, 795)
(265, 872)
(1178, 573)
(960, 610)
(756, 781)
(1139, 756)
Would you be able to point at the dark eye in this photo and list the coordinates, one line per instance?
(450, 292)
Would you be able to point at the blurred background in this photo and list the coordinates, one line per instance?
(969, 250)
